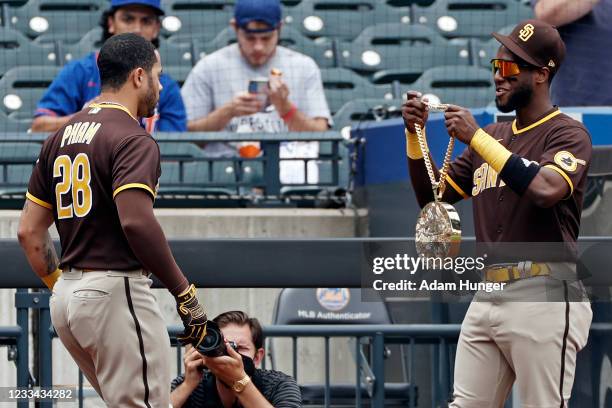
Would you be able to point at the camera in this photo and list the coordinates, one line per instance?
(213, 344)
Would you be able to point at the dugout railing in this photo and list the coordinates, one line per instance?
(335, 265)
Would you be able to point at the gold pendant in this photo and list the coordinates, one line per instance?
(438, 231)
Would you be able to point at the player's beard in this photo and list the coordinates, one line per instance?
(520, 97)
(150, 100)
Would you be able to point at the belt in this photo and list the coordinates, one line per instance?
(84, 270)
(512, 272)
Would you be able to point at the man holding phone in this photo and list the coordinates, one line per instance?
(289, 93)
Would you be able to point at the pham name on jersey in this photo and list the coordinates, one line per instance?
(80, 132)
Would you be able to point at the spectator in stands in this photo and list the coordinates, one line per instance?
(226, 382)
(216, 91)
(586, 28)
(78, 84)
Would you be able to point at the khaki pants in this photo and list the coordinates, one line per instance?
(111, 325)
(533, 343)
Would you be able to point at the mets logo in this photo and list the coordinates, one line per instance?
(526, 32)
(567, 161)
(333, 299)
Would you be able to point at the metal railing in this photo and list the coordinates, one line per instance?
(218, 179)
(369, 375)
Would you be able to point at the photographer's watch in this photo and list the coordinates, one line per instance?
(240, 385)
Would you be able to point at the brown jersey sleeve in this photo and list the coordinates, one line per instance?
(39, 184)
(459, 177)
(568, 152)
(136, 164)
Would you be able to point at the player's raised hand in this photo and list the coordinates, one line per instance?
(193, 316)
(414, 111)
(460, 123)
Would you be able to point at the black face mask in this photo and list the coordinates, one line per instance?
(249, 365)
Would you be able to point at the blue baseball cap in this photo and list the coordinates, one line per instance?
(264, 11)
(154, 4)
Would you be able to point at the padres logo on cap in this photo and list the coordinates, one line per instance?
(526, 32)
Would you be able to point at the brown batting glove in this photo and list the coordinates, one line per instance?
(193, 317)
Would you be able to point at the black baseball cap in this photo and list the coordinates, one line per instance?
(536, 42)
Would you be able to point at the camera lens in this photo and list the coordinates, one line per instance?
(213, 344)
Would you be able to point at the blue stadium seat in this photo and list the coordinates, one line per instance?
(468, 86)
(471, 18)
(412, 48)
(342, 19)
(16, 50)
(343, 85)
(22, 87)
(204, 18)
(38, 17)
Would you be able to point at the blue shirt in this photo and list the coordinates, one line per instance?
(585, 76)
(79, 82)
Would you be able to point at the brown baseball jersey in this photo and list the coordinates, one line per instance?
(100, 152)
(555, 141)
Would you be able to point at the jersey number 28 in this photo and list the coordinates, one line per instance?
(76, 176)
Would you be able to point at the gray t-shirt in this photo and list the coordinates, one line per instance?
(220, 76)
(585, 76)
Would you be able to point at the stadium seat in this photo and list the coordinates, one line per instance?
(342, 19)
(92, 41)
(321, 51)
(412, 48)
(468, 86)
(471, 18)
(38, 17)
(175, 55)
(22, 87)
(203, 18)
(485, 51)
(16, 50)
(343, 85)
(357, 111)
(8, 124)
(16, 162)
(311, 306)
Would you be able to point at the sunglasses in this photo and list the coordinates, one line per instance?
(507, 68)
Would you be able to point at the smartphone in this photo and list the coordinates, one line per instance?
(258, 85)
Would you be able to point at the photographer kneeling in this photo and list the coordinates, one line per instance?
(231, 379)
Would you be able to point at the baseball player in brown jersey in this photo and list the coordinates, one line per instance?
(526, 179)
(97, 178)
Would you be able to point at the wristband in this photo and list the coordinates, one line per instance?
(490, 150)
(518, 173)
(51, 278)
(287, 116)
(413, 149)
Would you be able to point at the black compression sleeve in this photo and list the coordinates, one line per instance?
(518, 173)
